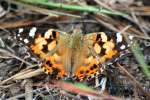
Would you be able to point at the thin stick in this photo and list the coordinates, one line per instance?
(134, 80)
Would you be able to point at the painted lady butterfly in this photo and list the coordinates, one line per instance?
(74, 55)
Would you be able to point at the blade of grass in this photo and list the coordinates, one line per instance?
(44, 11)
(73, 7)
(140, 58)
(82, 89)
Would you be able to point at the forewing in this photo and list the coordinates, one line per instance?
(106, 46)
(43, 44)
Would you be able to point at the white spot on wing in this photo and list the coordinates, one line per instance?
(122, 47)
(119, 37)
(20, 30)
(26, 41)
(32, 32)
(48, 33)
(18, 35)
(20, 38)
(130, 37)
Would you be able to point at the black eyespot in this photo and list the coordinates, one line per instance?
(91, 68)
(94, 66)
(45, 48)
(54, 34)
(49, 63)
(98, 37)
(87, 71)
(103, 50)
(45, 70)
(101, 43)
(92, 73)
(49, 73)
(49, 40)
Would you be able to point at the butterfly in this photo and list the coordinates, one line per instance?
(73, 55)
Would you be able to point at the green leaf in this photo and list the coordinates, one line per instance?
(140, 58)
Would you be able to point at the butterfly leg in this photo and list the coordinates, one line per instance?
(101, 83)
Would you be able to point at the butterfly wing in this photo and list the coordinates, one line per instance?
(107, 45)
(101, 47)
(44, 45)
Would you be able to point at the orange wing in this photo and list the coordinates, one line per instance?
(45, 47)
(101, 47)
